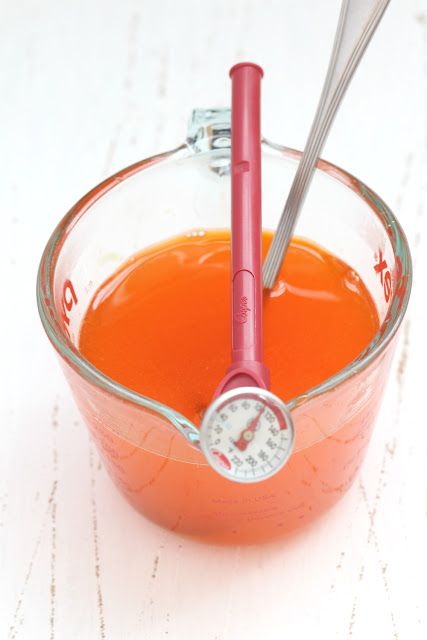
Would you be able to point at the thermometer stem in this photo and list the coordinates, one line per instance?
(247, 368)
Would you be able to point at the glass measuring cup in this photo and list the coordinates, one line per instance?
(145, 444)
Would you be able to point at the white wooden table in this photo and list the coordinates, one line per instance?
(88, 87)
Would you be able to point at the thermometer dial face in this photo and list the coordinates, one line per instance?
(247, 434)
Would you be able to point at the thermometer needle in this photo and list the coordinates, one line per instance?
(247, 434)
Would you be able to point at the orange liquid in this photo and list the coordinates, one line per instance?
(161, 326)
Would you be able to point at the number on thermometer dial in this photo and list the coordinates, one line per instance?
(247, 434)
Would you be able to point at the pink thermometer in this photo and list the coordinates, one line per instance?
(247, 432)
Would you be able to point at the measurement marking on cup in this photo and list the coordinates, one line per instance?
(381, 268)
(68, 300)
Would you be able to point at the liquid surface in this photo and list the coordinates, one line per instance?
(161, 324)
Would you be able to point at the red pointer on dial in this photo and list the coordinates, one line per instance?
(247, 434)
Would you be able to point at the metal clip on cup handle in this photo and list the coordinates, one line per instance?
(357, 23)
